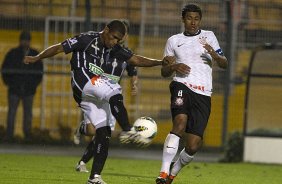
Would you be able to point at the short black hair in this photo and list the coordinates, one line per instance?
(25, 35)
(191, 8)
(117, 25)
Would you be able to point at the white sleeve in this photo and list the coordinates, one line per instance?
(169, 51)
(214, 42)
(215, 45)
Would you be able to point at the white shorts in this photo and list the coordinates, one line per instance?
(100, 88)
(95, 101)
(99, 114)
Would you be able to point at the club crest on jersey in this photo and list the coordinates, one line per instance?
(178, 101)
(203, 40)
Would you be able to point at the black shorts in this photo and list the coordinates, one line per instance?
(196, 106)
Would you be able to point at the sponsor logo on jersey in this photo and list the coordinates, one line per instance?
(95, 69)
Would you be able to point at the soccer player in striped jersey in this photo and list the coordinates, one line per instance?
(114, 71)
(90, 85)
(196, 50)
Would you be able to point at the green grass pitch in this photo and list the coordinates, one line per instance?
(49, 169)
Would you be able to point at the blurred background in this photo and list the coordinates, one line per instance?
(240, 26)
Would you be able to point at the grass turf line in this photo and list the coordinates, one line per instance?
(34, 169)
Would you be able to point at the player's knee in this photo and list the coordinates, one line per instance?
(103, 132)
(178, 128)
(179, 124)
(118, 98)
(116, 103)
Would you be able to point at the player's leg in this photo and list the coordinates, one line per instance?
(101, 146)
(119, 111)
(85, 127)
(89, 151)
(170, 147)
(128, 133)
(97, 114)
(86, 157)
(179, 103)
(193, 144)
(90, 131)
(195, 130)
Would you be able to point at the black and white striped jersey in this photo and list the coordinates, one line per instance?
(116, 65)
(90, 57)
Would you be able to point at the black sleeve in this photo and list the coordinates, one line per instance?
(76, 43)
(121, 53)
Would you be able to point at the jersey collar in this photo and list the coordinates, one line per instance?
(197, 33)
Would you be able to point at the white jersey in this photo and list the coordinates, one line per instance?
(190, 51)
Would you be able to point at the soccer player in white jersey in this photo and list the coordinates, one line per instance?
(195, 50)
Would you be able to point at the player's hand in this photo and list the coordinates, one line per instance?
(30, 59)
(207, 59)
(168, 60)
(210, 50)
(181, 68)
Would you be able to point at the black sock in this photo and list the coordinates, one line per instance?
(119, 111)
(101, 147)
(88, 153)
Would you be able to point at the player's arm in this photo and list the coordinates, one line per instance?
(221, 60)
(168, 70)
(137, 60)
(49, 52)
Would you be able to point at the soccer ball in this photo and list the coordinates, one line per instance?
(146, 127)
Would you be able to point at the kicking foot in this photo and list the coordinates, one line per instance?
(132, 136)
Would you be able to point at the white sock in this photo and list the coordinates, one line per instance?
(169, 151)
(81, 163)
(97, 176)
(182, 160)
